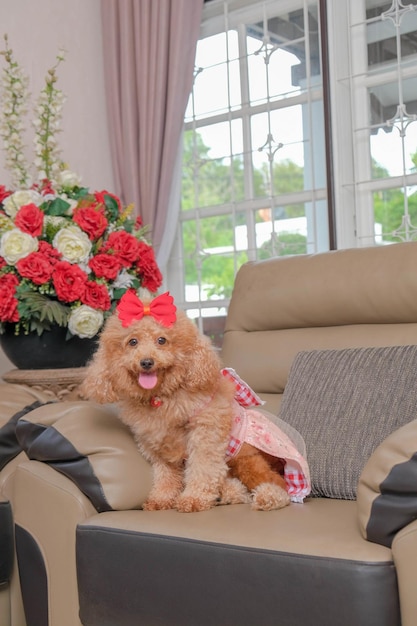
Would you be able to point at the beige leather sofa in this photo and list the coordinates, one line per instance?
(329, 341)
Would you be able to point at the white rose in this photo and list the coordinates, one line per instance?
(66, 178)
(85, 321)
(20, 198)
(73, 244)
(15, 245)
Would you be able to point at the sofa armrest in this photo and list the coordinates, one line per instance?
(88, 443)
(387, 489)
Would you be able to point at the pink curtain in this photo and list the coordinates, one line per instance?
(149, 52)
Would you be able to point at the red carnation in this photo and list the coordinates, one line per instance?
(36, 267)
(96, 296)
(105, 266)
(69, 281)
(29, 219)
(2, 262)
(8, 301)
(92, 220)
(148, 268)
(124, 246)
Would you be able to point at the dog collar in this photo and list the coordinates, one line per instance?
(155, 402)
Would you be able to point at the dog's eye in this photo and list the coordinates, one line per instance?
(133, 342)
(161, 341)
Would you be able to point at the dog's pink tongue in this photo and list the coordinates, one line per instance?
(147, 381)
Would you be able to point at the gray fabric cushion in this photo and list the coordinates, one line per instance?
(345, 403)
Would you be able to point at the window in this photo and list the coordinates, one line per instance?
(255, 151)
(374, 82)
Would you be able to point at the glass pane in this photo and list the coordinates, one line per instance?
(279, 151)
(209, 257)
(217, 77)
(279, 134)
(277, 62)
(395, 215)
(394, 139)
(281, 231)
(218, 274)
(223, 139)
(274, 78)
(386, 21)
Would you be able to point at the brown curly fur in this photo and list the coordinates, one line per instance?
(185, 437)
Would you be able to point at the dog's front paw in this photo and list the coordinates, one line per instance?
(233, 492)
(268, 496)
(191, 504)
(152, 504)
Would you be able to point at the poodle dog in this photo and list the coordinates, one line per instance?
(167, 378)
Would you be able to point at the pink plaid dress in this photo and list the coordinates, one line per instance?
(253, 427)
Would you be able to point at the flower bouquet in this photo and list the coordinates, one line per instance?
(67, 254)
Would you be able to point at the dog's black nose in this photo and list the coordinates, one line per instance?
(146, 364)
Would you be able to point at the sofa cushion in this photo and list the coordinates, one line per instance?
(345, 403)
(302, 565)
(387, 489)
(88, 443)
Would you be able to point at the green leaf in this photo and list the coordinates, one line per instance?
(40, 310)
(118, 293)
(76, 193)
(58, 206)
(112, 207)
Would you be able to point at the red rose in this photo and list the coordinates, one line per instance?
(29, 219)
(124, 246)
(99, 196)
(69, 281)
(148, 268)
(105, 266)
(8, 301)
(49, 252)
(96, 296)
(36, 267)
(2, 262)
(92, 220)
(4, 193)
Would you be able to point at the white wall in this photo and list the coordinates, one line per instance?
(37, 29)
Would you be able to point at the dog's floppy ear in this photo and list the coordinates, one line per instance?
(100, 382)
(204, 364)
(97, 384)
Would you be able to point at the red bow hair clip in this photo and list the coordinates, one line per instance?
(131, 309)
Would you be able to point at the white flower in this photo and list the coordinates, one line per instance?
(55, 220)
(123, 280)
(20, 198)
(85, 321)
(16, 245)
(73, 244)
(66, 178)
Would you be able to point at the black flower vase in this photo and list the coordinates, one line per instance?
(50, 350)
